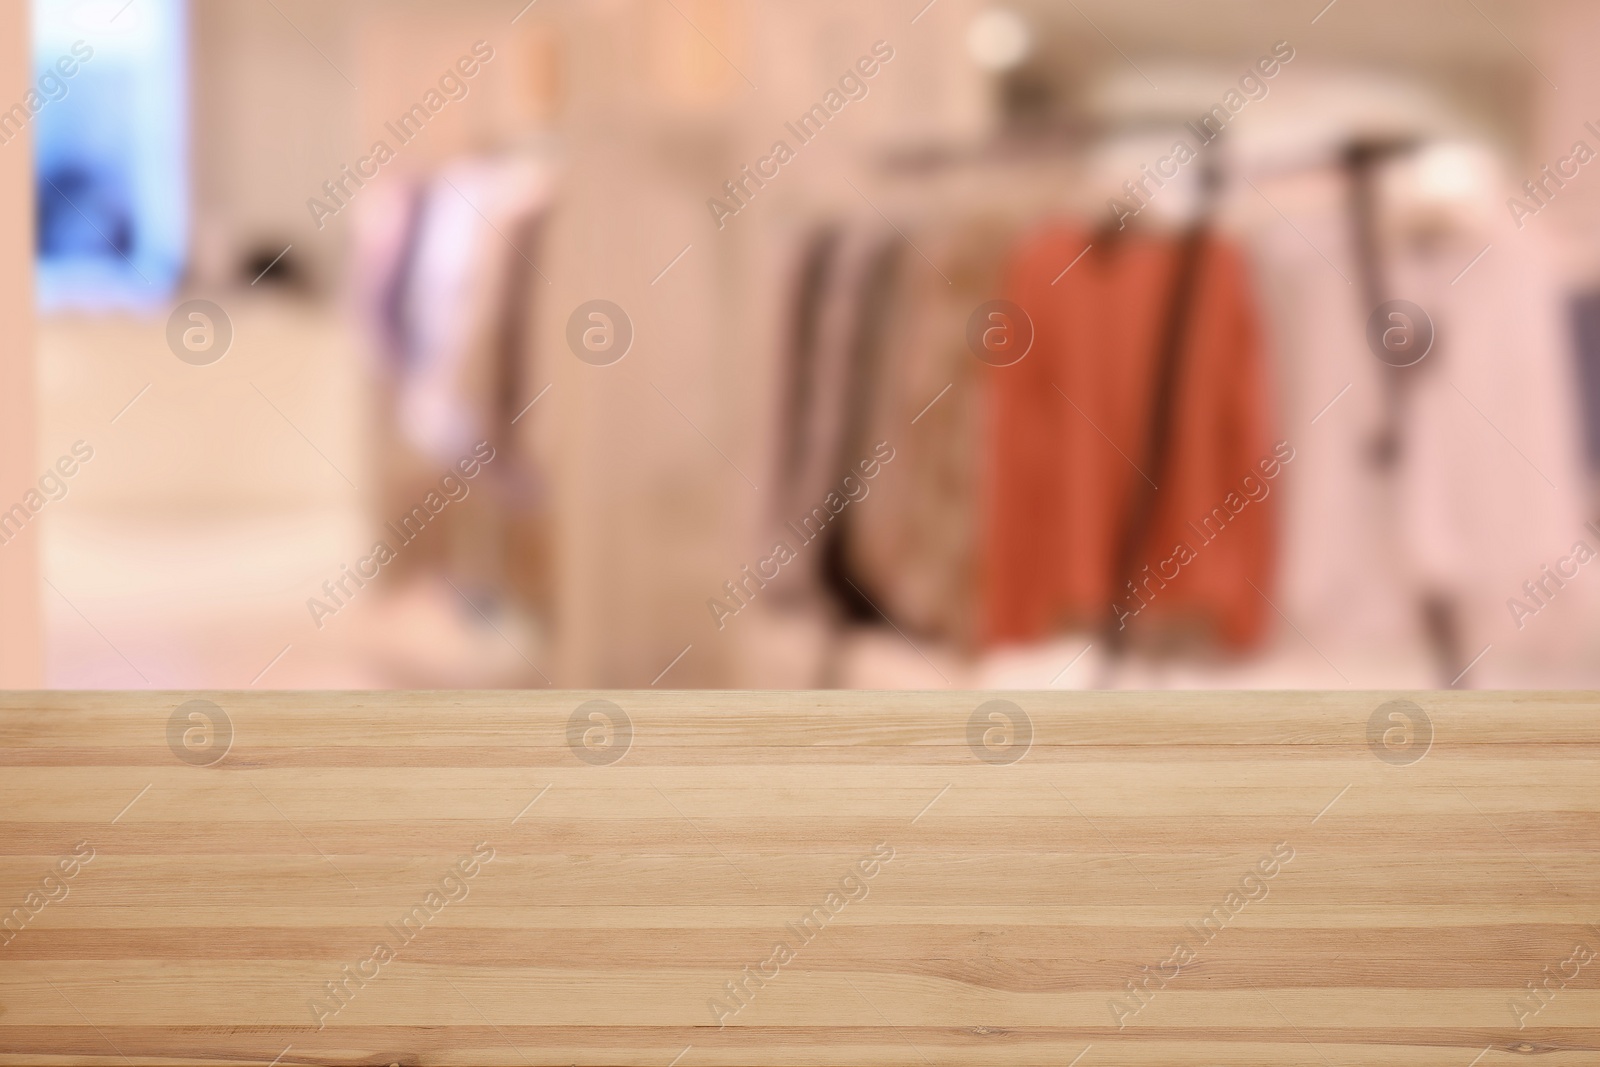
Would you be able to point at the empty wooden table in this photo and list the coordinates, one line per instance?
(818, 878)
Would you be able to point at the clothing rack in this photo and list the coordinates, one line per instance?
(1360, 161)
(847, 598)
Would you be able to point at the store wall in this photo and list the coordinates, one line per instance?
(273, 118)
(1567, 103)
(19, 594)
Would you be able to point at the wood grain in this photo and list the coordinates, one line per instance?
(1008, 908)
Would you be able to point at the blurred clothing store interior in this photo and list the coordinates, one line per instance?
(1135, 344)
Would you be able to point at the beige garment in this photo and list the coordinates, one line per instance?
(1488, 487)
(913, 539)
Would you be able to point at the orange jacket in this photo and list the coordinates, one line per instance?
(1067, 435)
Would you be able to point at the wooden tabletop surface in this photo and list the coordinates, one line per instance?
(786, 878)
